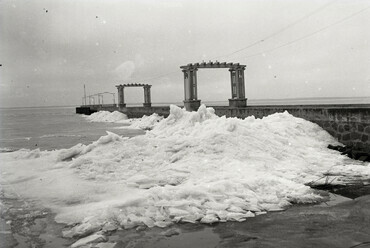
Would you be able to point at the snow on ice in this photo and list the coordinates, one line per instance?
(145, 123)
(192, 167)
(106, 116)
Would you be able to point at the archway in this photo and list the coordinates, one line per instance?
(121, 94)
(237, 99)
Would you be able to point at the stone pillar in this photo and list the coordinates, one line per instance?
(193, 74)
(241, 88)
(121, 96)
(191, 101)
(238, 99)
(187, 86)
(233, 83)
(147, 101)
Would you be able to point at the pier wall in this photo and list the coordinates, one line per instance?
(349, 124)
(138, 112)
(89, 109)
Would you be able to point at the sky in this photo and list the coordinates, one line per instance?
(50, 49)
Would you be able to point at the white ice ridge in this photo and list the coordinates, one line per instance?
(145, 123)
(106, 116)
(192, 167)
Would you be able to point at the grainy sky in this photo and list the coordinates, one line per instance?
(293, 48)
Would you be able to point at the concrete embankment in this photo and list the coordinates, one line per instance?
(349, 123)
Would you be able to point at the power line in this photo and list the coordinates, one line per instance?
(156, 77)
(160, 76)
(279, 31)
(308, 35)
(255, 43)
(259, 41)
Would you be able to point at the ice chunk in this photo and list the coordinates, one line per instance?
(171, 232)
(209, 219)
(105, 245)
(83, 229)
(146, 122)
(94, 238)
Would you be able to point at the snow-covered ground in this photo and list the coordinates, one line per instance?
(192, 167)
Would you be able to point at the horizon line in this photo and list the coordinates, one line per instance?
(252, 99)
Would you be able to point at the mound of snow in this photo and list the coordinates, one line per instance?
(106, 116)
(145, 122)
(192, 167)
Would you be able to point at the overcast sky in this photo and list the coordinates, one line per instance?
(50, 48)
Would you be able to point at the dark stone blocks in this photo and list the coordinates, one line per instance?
(346, 127)
(360, 128)
(355, 136)
(334, 125)
(367, 130)
(346, 137)
(238, 103)
(192, 105)
(341, 129)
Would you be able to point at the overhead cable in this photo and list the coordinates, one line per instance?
(308, 35)
(279, 31)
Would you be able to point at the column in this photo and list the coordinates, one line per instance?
(149, 95)
(193, 74)
(147, 101)
(191, 101)
(241, 90)
(238, 99)
(187, 85)
(233, 83)
(121, 96)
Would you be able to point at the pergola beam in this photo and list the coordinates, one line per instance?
(212, 65)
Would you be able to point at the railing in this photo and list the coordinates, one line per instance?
(100, 105)
(91, 99)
